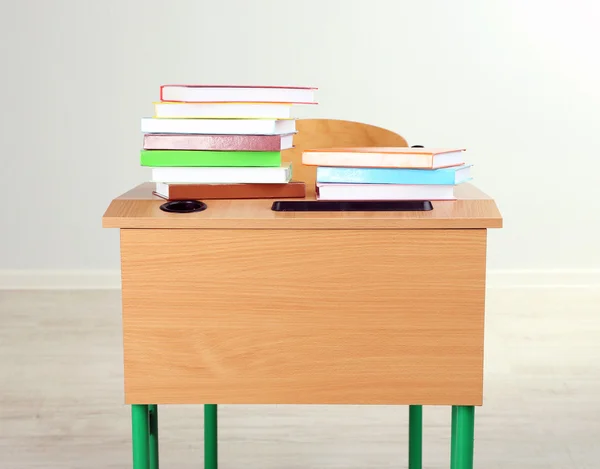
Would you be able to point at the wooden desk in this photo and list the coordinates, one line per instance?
(242, 305)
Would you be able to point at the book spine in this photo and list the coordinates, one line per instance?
(368, 161)
(212, 142)
(175, 158)
(236, 191)
(222, 175)
(383, 176)
(209, 126)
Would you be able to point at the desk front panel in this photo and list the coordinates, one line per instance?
(303, 316)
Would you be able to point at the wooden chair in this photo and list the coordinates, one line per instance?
(330, 133)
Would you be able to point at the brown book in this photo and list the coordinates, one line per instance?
(218, 142)
(293, 189)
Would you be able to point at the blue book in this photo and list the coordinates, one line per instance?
(442, 176)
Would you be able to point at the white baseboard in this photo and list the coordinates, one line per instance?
(59, 279)
(543, 278)
(111, 279)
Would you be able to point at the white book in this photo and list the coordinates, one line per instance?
(221, 175)
(229, 93)
(222, 110)
(218, 126)
(335, 191)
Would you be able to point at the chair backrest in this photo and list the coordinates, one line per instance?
(330, 133)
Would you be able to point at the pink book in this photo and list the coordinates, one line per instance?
(218, 142)
(238, 94)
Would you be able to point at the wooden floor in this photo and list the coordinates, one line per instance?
(61, 397)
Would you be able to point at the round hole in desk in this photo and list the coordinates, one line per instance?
(183, 206)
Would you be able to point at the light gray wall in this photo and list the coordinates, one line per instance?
(515, 82)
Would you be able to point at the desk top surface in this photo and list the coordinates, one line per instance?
(140, 208)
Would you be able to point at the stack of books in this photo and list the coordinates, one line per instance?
(223, 141)
(379, 173)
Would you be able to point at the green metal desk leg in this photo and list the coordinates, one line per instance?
(453, 439)
(140, 436)
(415, 437)
(463, 435)
(210, 436)
(153, 436)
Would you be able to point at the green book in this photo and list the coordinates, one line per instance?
(210, 158)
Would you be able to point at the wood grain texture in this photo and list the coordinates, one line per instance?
(329, 133)
(139, 208)
(299, 317)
